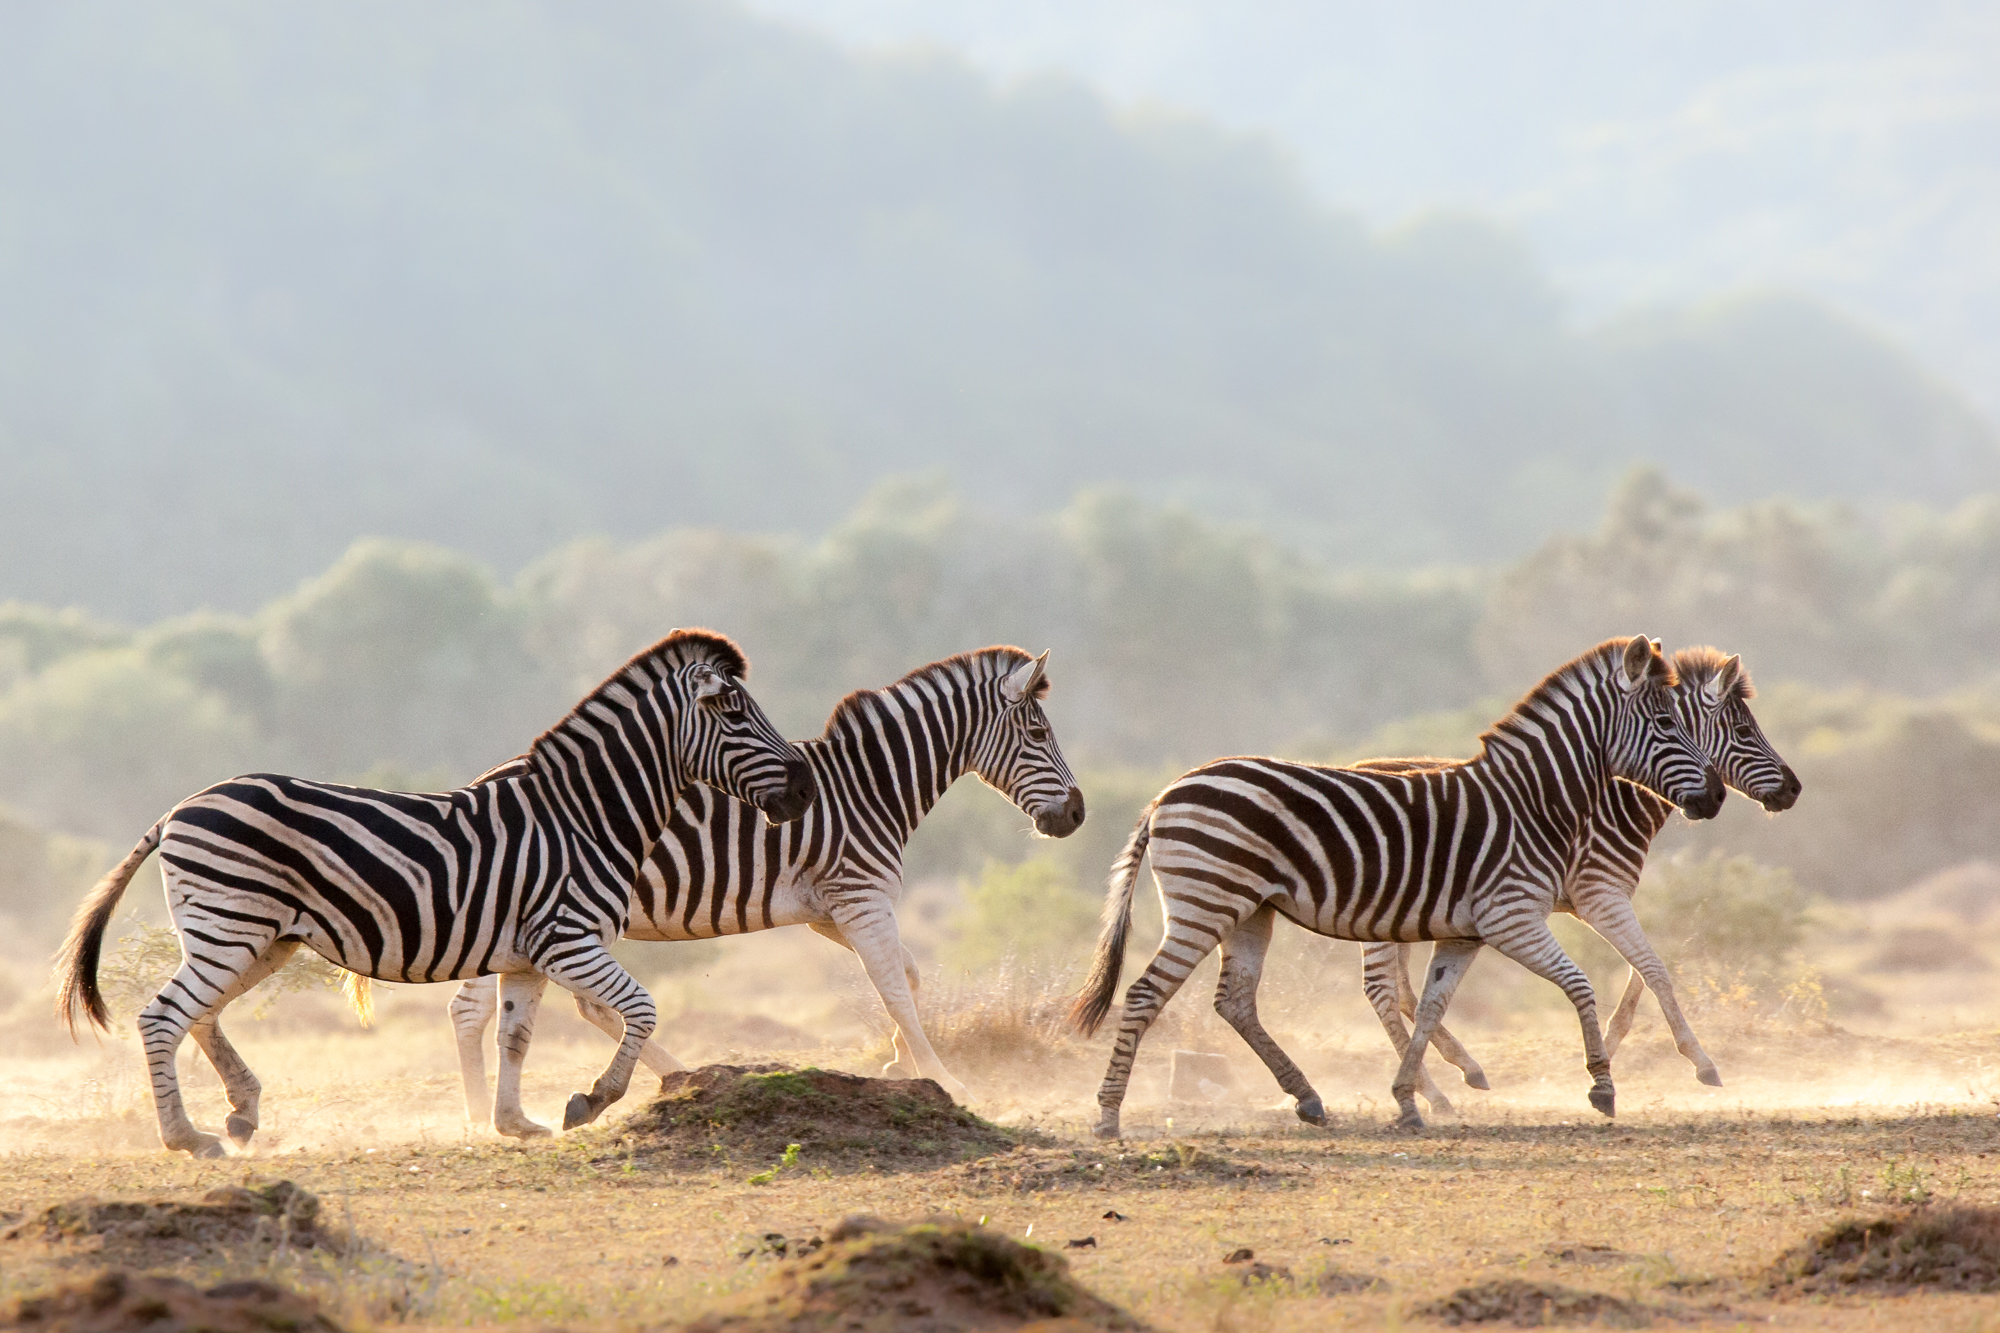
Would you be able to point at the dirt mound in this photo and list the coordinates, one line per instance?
(755, 1113)
(941, 1277)
(147, 1233)
(1031, 1169)
(1937, 1249)
(1534, 1305)
(127, 1303)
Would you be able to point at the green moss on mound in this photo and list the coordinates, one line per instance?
(1937, 1249)
(751, 1114)
(941, 1277)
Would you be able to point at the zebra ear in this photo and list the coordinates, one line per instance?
(1641, 661)
(1019, 683)
(1722, 683)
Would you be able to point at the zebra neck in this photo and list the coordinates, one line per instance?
(899, 755)
(601, 788)
(1560, 781)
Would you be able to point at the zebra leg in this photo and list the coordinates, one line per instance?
(472, 1007)
(1243, 951)
(1611, 915)
(1449, 959)
(1628, 1007)
(194, 991)
(867, 922)
(239, 1084)
(652, 1055)
(1382, 981)
(1441, 1040)
(905, 1063)
(520, 997)
(1528, 941)
(586, 969)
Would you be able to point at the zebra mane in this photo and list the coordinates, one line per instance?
(980, 664)
(676, 650)
(1697, 666)
(1583, 670)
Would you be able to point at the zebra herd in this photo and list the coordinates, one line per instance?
(665, 806)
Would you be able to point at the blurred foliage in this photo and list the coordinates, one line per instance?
(1726, 915)
(1028, 914)
(135, 969)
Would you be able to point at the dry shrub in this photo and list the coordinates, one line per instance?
(119, 1302)
(758, 1112)
(1942, 1249)
(872, 1277)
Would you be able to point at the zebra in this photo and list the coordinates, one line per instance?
(884, 759)
(523, 872)
(1712, 701)
(1467, 854)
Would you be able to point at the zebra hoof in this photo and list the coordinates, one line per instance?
(208, 1146)
(240, 1128)
(1104, 1131)
(1605, 1100)
(1312, 1111)
(580, 1111)
(1710, 1076)
(1476, 1078)
(1409, 1119)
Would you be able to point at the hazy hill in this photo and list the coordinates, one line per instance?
(498, 275)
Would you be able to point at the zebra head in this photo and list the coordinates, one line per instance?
(1713, 700)
(1647, 743)
(722, 737)
(1015, 752)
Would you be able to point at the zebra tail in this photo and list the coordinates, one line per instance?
(360, 994)
(1095, 1001)
(76, 964)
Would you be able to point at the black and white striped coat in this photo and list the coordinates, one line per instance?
(1712, 700)
(1465, 855)
(524, 872)
(884, 760)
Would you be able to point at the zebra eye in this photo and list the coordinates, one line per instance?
(1745, 732)
(1037, 732)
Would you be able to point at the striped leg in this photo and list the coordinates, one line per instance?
(520, 997)
(585, 968)
(1449, 959)
(867, 923)
(226, 949)
(1188, 939)
(905, 1063)
(239, 1084)
(1441, 1040)
(1382, 980)
(652, 1055)
(473, 1006)
(1527, 940)
(1610, 914)
(1628, 1006)
(1243, 952)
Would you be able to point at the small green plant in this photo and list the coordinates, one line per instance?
(790, 1159)
(1904, 1184)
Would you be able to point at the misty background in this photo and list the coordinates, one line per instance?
(1310, 379)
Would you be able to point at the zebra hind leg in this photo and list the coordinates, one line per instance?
(473, 1006)
(1449, 959)
(1381, 973)
(238, 1083)
(1243, 952)
(1182, 948)
(586, 969)
(192, 993)
(1442, 1041)
(520, 998)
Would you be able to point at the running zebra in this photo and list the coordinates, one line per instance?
(524, 873)
(1712, 700)
(1468, 854)
(885, 758)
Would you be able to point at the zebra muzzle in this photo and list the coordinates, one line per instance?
(1062, 820)
(797, 797)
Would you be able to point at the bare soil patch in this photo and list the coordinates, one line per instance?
(150, 1233)
(756, 1112)
(119, 1302)
(935, 1277)
(1936, 1249)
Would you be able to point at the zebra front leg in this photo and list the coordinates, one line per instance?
(520, 998)
(1449, 959)
(867, 923)
(904, 1065)
(1243, 952)
(472, 1007)
(1628, 1007)
(652, 1055)
(1528, 941)
(1442, 1041)
(238, 1083)
(585, 968)
(1381, 981)
(1610, 914)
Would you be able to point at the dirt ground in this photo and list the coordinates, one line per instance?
(1676, 1211)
